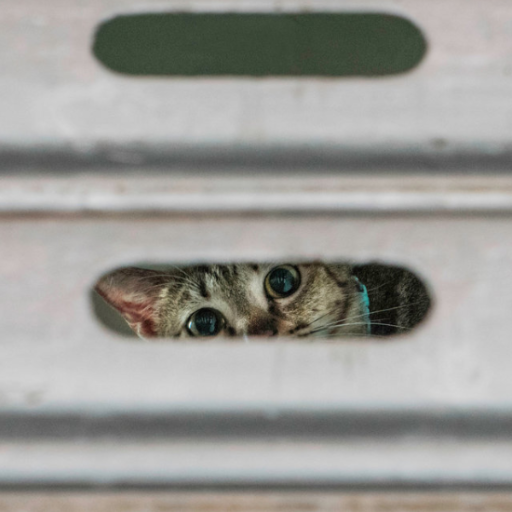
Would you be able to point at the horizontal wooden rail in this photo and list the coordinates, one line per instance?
(150, 192)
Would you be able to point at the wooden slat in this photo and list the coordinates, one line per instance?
(55, 97)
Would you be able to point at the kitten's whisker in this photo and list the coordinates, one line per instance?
(359, 323)
(393, 325)
(326, 326)
(334, 310)
(334, 322)
(337, 335)
(388, 309)
(355, 317)
(341, 324)
(377, 287)
(318, 319)
(330, 312)
(179, 269)
(164, 273)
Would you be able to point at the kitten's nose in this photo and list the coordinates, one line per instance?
(262, 326)
(266, 333)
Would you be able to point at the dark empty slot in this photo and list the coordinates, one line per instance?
(313, 44)
(317, 301)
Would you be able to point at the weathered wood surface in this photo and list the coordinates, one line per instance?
(54, 95)
(69, 132)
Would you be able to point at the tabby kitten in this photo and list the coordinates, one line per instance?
(313, 299)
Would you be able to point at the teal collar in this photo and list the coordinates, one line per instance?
(365, 305)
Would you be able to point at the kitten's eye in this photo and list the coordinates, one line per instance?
(282, 281)
(205, 322)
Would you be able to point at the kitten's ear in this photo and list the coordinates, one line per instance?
(136, 293)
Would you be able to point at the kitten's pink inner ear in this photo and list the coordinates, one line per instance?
(136, 294)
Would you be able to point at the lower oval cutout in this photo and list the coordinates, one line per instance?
(316, 301)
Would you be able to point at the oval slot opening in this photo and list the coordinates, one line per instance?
(237, 44)
(317, 301)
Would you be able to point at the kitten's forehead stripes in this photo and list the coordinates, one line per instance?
(223, 281)
(239, 295)
(341, 284)
(202, 288)
(224, 271)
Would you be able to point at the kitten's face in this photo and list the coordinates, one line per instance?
(238, 300)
